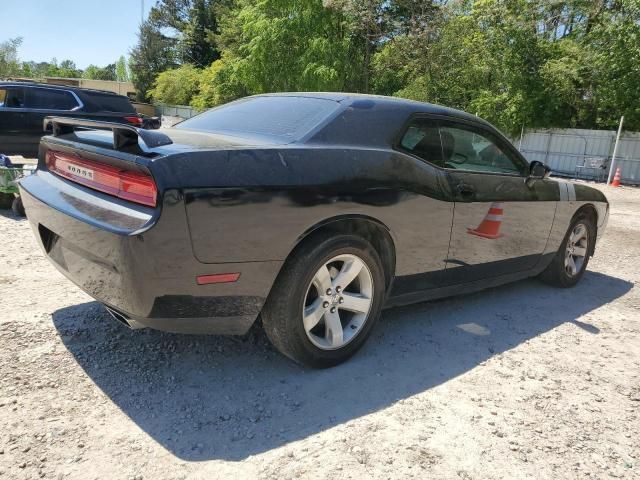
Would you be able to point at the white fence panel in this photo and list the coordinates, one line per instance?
(567, 151)
(181, 111)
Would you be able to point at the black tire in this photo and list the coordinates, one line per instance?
(6, 200)
(282, 312)
(18, 207)
(556, 274)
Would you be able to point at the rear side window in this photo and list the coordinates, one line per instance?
(103, 102)
(12, 97)
(422, 139)
(49, 99)
(285, 117)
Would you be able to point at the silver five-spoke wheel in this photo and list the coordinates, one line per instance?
(337, 302)
(576, 250)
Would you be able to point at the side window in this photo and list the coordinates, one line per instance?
(465, 148)
(49, 99)
(422, 139)
(11, 97)
(109, 103)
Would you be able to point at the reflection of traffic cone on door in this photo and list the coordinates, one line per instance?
(616, 178)
(490, 226)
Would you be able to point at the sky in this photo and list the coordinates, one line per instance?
(85, 31)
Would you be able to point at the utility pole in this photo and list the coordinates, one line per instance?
(141, 12)
(615, 150)
(521, 136)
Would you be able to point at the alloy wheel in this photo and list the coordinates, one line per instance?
(337, 302)
(576, 253)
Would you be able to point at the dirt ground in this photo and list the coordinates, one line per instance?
(521, 381)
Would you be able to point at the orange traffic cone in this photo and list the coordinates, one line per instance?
(490, 226)
(616, 178)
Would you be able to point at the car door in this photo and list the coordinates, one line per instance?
(12, 120)
(428, 225)
(501, 221)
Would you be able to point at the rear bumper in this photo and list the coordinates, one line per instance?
(140, 263)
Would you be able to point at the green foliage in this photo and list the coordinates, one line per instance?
(572, 63)
(9, 64)
(93, 72)
(122, 72)
(65, 69)
(193, 25)
(515, 62)
(176, 86)
(614, 43)
(219, 84)
(275, 45)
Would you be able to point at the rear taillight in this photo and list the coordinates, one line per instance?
(126, 184)
(134, 120)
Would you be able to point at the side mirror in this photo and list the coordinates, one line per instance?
(538, 171)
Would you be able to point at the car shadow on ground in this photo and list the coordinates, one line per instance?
(208, 397)
(8, 213)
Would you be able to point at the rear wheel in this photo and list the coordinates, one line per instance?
(18, 207)
(326, 300)
(570, 262)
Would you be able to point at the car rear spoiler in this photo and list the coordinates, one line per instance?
(123, 135)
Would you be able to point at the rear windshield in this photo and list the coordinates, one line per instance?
(103, 102)
(287, 118)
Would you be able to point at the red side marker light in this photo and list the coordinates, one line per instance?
(217, 278)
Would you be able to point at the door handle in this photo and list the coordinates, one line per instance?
(465, 190)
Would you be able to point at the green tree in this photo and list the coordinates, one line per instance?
(153, 54)
(274, 45)
(483, 56)
(68, 69)
(9, 62)
(193, 25)
(122, 73)
(176, 86)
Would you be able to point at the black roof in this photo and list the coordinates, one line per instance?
(20, 83)
(409, 106)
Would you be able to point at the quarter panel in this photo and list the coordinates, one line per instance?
(262, 215)
(573, 197)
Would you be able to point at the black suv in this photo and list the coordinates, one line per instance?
(23, 107)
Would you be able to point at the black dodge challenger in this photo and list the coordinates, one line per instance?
(310, 210)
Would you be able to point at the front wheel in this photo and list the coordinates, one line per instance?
(570, 262)
(326, 300)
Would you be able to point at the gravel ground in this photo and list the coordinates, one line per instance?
(522, 381)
